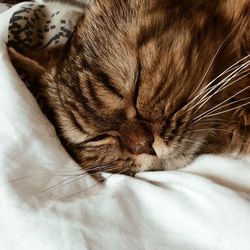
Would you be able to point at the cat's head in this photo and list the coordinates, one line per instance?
(134, 87)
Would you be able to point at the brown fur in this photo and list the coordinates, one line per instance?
(126, 92)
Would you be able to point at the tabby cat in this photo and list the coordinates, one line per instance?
(149, 84)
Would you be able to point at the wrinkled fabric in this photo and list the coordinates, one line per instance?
(48, 203)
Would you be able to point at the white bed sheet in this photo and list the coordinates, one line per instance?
(204, 206)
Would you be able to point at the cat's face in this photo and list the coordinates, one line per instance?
(132, 90)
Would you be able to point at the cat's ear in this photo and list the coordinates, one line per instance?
(35, 63)
(26, 63)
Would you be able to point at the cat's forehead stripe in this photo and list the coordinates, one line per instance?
(94, 94)
(107, 82)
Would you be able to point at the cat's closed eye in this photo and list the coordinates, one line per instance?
(98, 138)
(101, 140)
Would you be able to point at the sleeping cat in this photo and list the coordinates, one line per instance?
(149, 85)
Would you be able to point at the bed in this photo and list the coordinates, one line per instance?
(47, 202)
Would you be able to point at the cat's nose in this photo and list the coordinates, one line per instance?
(148, 150)
(137, 138)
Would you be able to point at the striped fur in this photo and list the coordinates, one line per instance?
(130, 90)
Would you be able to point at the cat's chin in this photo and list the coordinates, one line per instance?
(152, 163)
(168, 157)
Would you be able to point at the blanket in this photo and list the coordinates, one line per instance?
(47, 202)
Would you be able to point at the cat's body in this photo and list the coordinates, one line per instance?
(146, 85)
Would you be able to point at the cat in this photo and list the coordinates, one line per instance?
(149, 85)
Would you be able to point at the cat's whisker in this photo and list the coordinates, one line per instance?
(219, 129)
(220, 105)
(207, 114)
(223, 82)
(225, 111)
(96, 169)
(211, 123)
(98, 183)
(232, 75)
(212, 61)
(87, 189)
(18, 179)
(201, 92)
(240, 73)
(228, 104)
(34, 176)
(26, 181)
(64, 182)
(194, 142)
(29, 179)
(233, 68)
(216, 119)
(208, 147)
(210, 131)
(70, 171)
(202, 144)
(224, 86)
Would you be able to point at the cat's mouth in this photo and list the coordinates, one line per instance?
(168, 157)
(146, 162)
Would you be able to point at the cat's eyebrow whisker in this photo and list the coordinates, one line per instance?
(201, 92)
(220, 105)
